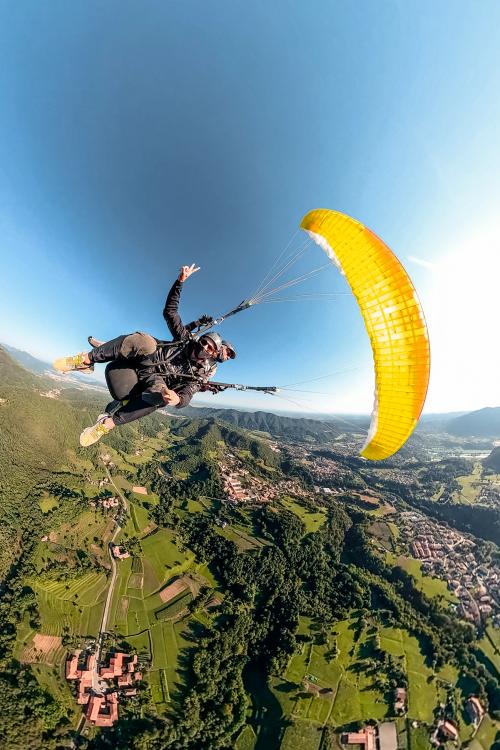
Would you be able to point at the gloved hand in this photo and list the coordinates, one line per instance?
(205, 320)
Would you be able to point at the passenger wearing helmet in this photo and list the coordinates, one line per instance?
(145, 373)
(226, 351)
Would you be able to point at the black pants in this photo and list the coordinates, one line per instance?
(123, 353)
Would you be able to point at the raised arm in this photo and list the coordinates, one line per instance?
(171, 309)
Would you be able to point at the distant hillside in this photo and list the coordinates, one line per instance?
(26, 360)
(39, 367)
(482, 423)
(277, 426)
(437, 423)
(492, 461)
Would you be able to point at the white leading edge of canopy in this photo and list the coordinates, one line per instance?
(320, 240)
(324, 245)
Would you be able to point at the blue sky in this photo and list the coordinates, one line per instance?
(137, 136)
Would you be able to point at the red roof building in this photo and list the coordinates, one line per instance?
(72, 671)
(115, 668)
(449, 730)
(103, 710)
(366, 738)
(124, 680)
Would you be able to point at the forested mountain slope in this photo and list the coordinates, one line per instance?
(274, 424)
(39, 437)
(481, 423)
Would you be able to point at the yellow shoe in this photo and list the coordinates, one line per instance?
(91, 435)
(69, 364)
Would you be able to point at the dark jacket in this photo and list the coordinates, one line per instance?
(172, 359)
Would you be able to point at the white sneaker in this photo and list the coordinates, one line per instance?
(91, 435)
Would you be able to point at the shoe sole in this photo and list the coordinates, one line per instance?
(61, 366)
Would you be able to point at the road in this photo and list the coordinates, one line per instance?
(109, 598)
(96, 681)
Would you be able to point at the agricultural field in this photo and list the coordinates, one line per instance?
(424, 693)
(162, 559)
(302, 734)
(175, 607)
(490, 646)
(427, 584)
(240, 537)
(312, 519)
(139, 516)
(487, 736)
(471, 486)
(89, 527)
(246, 739)
(168, 641)
(340, 689)
(76, 604)
(384, 534)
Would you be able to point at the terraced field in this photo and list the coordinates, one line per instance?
(76, 604)
(136, 605)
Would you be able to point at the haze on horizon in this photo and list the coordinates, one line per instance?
(132, 142)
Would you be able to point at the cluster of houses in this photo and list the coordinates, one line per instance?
(105, 502)
(324, 468)
(447, 729)
(99, 688)
(234, 490)
(96, 482)
(241, 486)
(489, 494)
(106, 459)
(450, 555)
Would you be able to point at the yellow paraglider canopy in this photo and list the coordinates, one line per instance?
(393, 318)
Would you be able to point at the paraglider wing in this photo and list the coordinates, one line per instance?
(393, 318)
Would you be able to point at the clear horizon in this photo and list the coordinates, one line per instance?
(203, 403)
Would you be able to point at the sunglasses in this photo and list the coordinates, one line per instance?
(209, 346)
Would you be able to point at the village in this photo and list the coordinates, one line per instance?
(101, 688)
(452, 556)
(242, 487)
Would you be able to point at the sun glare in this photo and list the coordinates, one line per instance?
(462, 311)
